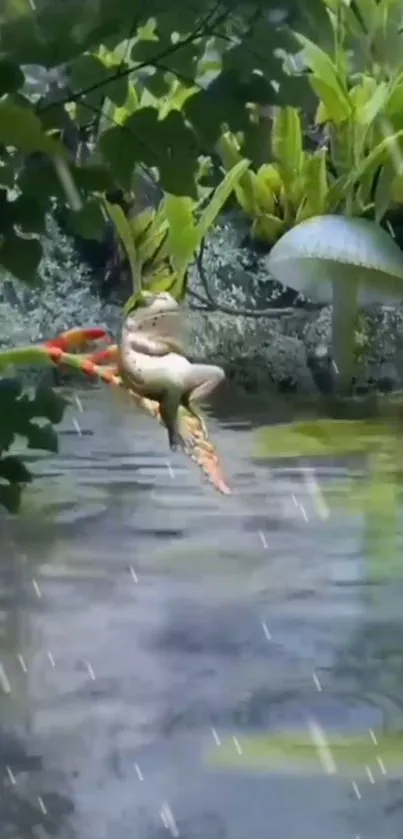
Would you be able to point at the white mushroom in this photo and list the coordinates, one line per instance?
(348, 262)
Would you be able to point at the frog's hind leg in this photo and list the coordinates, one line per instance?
(169, 404)
(200, 381)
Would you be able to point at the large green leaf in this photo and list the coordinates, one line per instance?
(246, 189)
(21, 257)
(331, 108)
(123, 229)
(89, 222)
(366, 114)
(326, 72)
(287, 140)
(19, 127)
(183, 239)
(315, 185)
(389, 149)
(11, 77)
(220, 197)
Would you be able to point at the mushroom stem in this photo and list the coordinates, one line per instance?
(344, 313)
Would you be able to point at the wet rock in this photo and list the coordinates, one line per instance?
(379, 346)
(255, 353)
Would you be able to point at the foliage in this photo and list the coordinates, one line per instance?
(358, 87)
(359, 84)
(294, 186)
(19, 414)
(161, 244)
(93, 54)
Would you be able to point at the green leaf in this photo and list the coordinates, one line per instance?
(367, 113)
(10, 390)
(118, 149)
(165, 280)
(287, 140)
(270, 177)
(183, 238)
(89, 222)
(27, 214)
(220, 197)
(315, 183)
(13, 470)
(123, 229)
(10, 497)
(267, 228)
(48, 404)
(11, 77)
(387, 149)
(332, 108)
(92, 177)
(320, 63)
(7, 174)
(168, 144)
(42, 437)
(19, 127)
(89, 69)
(150, 231)
(247, 190)
(21, 257)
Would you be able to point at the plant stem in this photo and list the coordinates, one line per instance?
(344, 313)
(24, 357)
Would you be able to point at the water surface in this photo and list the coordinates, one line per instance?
(146, 620)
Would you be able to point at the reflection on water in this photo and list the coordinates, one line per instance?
(148, 622)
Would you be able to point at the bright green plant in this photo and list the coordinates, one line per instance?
(293, 187)
(161, 244)
(357, 81)
(359, 85)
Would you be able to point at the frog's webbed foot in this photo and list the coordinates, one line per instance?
(194, 412)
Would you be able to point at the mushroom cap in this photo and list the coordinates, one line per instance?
(326, 249)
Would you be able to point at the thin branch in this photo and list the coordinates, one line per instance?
(204, 307)
(120, 73)
(228, 310)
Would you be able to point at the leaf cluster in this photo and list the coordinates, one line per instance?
(30, 416)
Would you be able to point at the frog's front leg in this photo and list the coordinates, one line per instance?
(201, 380)
(147, 345)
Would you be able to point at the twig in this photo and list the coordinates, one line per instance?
(201, 31)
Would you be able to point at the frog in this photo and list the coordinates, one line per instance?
(152, 361)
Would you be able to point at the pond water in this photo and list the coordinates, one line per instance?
(148, 622)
